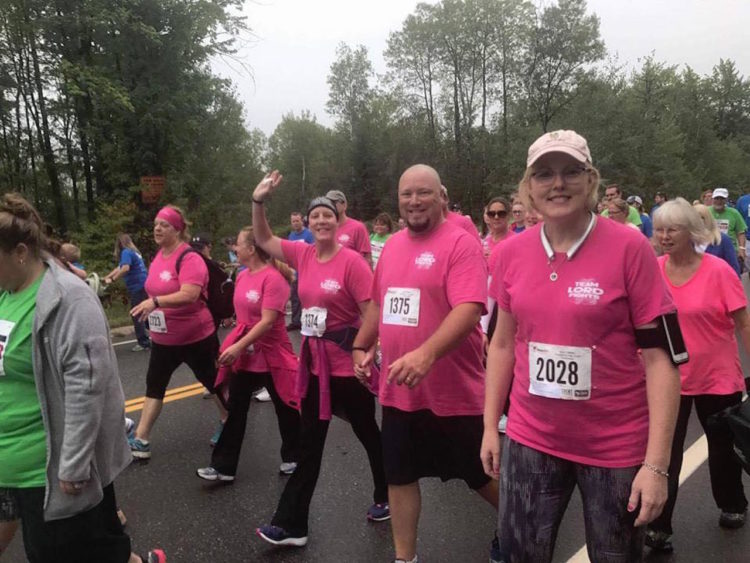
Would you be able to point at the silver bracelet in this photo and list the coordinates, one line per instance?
(655, 469)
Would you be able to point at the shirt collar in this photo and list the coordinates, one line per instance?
(573, 249)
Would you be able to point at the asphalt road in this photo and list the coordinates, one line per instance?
(195, 521)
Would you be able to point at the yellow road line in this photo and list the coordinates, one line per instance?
(193, 389)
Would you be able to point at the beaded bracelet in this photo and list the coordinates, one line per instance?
(655, 469)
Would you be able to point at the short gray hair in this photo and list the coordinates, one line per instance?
(679, 213)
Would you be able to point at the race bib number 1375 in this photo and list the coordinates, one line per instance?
(401, 306)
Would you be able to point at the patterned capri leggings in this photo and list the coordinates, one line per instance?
(535, 489)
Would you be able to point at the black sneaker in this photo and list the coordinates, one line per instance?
(659, 541)
(732, 520)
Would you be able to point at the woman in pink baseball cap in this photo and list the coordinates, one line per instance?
(575, 295)
(181, 325)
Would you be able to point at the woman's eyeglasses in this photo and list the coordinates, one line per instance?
(571, 176)
(497, 214)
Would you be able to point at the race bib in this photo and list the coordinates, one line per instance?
(401, 306)
(314, 321)
(723, 225)
(6, 327)
(560, 372)
(157, 322)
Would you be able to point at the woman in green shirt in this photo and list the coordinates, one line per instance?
(382, 229)
(62, 434)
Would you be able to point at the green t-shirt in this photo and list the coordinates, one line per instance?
(730, 223)
(23, 445)
(633, 216)
(377, 242)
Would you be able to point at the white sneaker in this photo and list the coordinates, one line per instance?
(288, 467)
(263, 396)
(210, 474)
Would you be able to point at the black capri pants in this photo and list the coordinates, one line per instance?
(200, 357)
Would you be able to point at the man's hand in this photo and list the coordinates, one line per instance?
(362, 362)
(410, 368)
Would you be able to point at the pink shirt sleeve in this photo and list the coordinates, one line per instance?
(467, 274)
(292, 252)
(275, 293)
(363, 240)
(732, 292)
(359, 278)
(193, 270)
(648, 296)
(497, 286)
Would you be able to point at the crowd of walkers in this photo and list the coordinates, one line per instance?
(563, 347)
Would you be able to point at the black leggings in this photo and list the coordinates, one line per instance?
(226, 454)
(724, 469)
(199, 356)
(357, 404)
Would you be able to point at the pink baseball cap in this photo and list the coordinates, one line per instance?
(563, 140)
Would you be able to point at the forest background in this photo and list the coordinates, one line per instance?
(96, 95)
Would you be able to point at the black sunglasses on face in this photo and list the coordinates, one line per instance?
(497, 214)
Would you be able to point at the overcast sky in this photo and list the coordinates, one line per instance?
(295, 41)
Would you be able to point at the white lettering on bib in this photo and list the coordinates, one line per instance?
(157, 322)
(560, 372)
(401, 306)
(723, 225)
(6, 327)
(314, 321)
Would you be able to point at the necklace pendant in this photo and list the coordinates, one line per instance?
(553, 276)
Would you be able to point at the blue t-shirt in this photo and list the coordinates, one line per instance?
(647, 227)
(304, 235)
(743, 203)
(725, 251)
(136, 276)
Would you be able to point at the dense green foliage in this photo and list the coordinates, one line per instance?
(95, 94)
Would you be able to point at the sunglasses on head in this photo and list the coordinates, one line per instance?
(497, 214)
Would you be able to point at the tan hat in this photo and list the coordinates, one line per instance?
(563, 140)
(336, 195)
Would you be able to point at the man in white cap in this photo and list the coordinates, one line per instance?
(730, 221)
(351, 233)
(647, 227)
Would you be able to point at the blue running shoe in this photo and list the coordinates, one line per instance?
(140, 449)
(129, 428)
(379, 512)
(279, 536)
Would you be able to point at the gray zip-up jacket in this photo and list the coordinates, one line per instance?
(83, 406)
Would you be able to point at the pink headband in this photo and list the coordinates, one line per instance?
(172, 217)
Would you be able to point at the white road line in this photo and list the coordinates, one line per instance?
(124, 342)
(694, 457)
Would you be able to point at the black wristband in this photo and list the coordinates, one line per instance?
(256, 201)
(156, 301)
(360, 348)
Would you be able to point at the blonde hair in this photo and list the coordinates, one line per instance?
(679, 213)
(593, 197)
(621, 205)
(283, 269)
(70, 252)
(709, 221)
(122, 242)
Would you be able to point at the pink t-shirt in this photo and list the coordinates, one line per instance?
(353, 234)
(338, 286)
(610, 286)
(254, 292)
(465, 223)
(704, 305)
(188, 323)
(446, 267)
(489, 244)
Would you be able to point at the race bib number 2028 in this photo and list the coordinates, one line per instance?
(560, 372)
